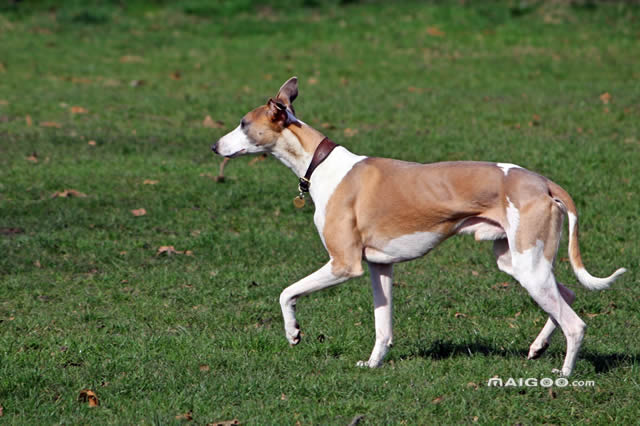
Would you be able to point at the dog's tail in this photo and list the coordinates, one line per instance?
(585, 278)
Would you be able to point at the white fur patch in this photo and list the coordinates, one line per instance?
(236, 143)
(513, 218)
(326, 178)
(507, 166)
(404, 248)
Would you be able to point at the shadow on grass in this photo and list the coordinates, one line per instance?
(441, 349)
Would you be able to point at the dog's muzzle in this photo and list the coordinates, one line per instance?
(214, 148)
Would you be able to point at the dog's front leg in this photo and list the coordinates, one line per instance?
(382, 286)
(322, 278)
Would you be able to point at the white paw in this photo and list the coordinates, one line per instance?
(536, 351)
(293, 334)
(370, 364)
(565, 372)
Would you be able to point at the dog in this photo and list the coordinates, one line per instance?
(386, 211)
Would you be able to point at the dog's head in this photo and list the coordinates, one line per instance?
(260, 129)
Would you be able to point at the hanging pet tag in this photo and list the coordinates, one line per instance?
(298, 202)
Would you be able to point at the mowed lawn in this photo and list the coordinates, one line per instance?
(172, 315)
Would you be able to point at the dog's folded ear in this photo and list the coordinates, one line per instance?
(281, 113)
(288, 92)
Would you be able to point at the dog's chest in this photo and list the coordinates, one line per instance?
(325, 180)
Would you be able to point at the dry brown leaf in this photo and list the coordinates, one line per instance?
(92, 143)
(312, 80)
(28, 120)
(475, 273)
(204, 368)
(460, 315)
(138, 212)
(87, 395)
(605, 98)
(472, 385)
(33, 157)
(283, 397)
(128, 59)
(78, 110)
(176, 75)
(435, 32)
(328, 126)
(150, 182)
(186, 416)
(50, 124)
(68, 193)
(349, 132)
(438, 400)
(210, 123)
(37, 264)
(233, 422)
(168, 250)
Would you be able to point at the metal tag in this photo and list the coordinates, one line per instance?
(298, 202)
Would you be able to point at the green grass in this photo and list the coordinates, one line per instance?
(86, 302)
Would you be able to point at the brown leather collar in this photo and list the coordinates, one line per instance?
(320, 154)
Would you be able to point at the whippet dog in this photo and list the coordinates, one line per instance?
(386, 211)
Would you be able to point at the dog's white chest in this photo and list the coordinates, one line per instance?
(325, 180)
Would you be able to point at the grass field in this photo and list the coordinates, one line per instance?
(111, 101)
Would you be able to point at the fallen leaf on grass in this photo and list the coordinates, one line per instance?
(233, 422)
(50, 124)
(605, 98)
(204, 368)
(210, 123)
(87, 395)
(438, 400)
(128, 59)
(283, 397)
(1, 411)
(150, 182)
(176, 75)
(169, 250)
(460, 315)
(33, 157)
(28, 120)
(138, 212)
(435, 32)
(78, 110)
(472, 385)
(349, 132)
(92, 143)
(68, 193)
(499, 286)
(312, 80)
(186, 416)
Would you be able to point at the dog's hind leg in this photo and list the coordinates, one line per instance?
(534, 236)
(324, 277)
(541, 343)
(382, 286)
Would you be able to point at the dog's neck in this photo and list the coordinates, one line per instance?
(296, 146)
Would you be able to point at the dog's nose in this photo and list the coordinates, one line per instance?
(214, 147)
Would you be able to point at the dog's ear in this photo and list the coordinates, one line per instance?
(281, 113)
(288, 92)
(277, 111)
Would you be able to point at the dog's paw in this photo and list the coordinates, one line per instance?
(565, 372)
(370, 364)
(536, 352)
(293, 335)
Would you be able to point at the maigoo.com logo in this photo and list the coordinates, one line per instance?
(532, 382)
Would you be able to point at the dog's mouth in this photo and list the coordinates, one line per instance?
(236, 154)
